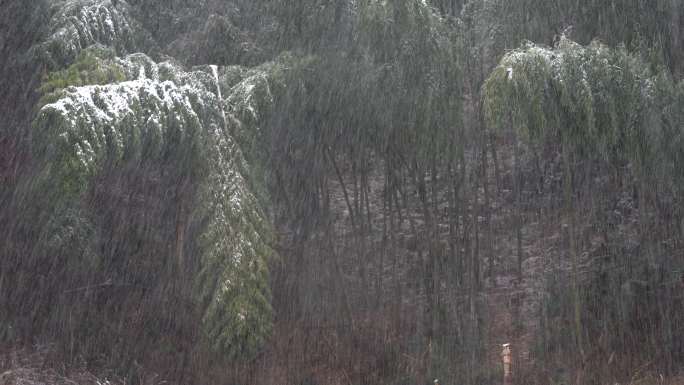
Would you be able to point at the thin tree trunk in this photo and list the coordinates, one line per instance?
(495, 159)
(489, 252)
(475, 212)
(390, 196)
(643, 215)
(453, 223)
(573, 248)
(367, 192)
(518, 206)
(463, 263)
(331, 157)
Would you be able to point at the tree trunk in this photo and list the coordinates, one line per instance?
(487, 217)
(518, 206)
(568, 192)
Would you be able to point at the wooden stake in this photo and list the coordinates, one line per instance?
(507, 358)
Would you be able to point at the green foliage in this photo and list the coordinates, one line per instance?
(417, 72)
(648, 27)
(95, 119)
(177, 127)
(75, 25)
(599, 100)
(311, 25)
(94, 65)
(605, 107)
(392, 94)
(184, 163)
(388, 102)
(672, 138)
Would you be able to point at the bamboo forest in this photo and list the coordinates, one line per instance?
(341, 192)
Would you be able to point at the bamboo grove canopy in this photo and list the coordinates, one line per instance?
(605, 102)
(104, 110)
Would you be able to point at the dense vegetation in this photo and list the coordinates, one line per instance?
(357, 192)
